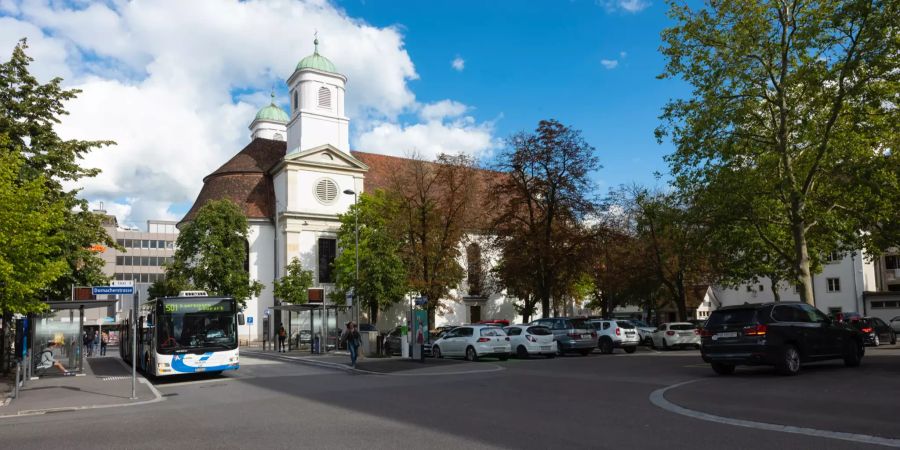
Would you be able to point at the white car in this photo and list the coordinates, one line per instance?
(473, 342)
(527, 340)
(615, 334)
(676, 334)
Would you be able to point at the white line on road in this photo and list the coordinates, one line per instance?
(658, 398)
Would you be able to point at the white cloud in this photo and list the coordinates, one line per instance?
(609, 63)
(630, 6)
(445, 130)
(458, 64)
(176, 84)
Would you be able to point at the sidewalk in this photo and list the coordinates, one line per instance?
(106, 383)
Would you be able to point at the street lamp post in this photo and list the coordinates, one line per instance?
(356, 237)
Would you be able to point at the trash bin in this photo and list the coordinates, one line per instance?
(369, 345)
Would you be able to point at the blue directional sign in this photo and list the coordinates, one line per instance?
(112, 290)
(249, 320)
(420, 301)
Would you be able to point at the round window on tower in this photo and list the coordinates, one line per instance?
(326, 191)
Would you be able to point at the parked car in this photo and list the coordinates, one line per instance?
(676, 334)
(473, 342)
(527, 340)
(495, 322)
(781, 334)
(895, 324)
(875, 331)
(645, 331)
(392, 341)
(572, 334)
(615, 334)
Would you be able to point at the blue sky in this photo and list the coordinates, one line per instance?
(527, 61)
(184, 79)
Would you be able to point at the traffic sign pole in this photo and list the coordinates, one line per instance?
(134, 308)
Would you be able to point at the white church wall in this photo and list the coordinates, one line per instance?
(303, 197)
(262, 268)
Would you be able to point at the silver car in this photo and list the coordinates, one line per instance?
(572, 334)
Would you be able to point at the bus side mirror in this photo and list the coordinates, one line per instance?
(240, 318)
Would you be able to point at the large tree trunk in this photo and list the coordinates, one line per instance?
(775, 292)
(545, 304)
(801, 253)
(681, 300)
(373, 313)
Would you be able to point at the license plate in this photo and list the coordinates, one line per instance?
(585, 336)
(729, 334)
(629, 333)
(200, 369)
(545, 347)
(685, 334)
(499, 349)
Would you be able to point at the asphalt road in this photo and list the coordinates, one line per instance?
(598, 401)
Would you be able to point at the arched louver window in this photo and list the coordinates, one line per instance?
(295, 101)
(324, 97)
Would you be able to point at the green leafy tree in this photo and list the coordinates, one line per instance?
(382, 272)
(212, 252)
(169, 286)
(791, 121)
(294, 286)
(27, 244)
(29, 111)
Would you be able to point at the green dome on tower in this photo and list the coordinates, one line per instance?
(272, 113)
(316, 61)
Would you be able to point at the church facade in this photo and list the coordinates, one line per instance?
(293, 180)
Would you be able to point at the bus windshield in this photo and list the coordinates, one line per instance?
(186, 324)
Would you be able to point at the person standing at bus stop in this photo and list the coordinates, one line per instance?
(282, 335)
(104, 341)
(352, 338)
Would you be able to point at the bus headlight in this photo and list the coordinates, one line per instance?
(163, 365)
(233, 359)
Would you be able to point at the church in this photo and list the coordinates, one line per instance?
(292, 181)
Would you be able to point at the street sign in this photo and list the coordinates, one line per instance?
(420, 301)
(121, 283)
(249, 320)
(112, 290)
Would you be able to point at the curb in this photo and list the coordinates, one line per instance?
(158, 397)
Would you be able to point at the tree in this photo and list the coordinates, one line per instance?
(212, 253)
(382, 272)
(539, 205)
(436, 207)
(294, 286)
(797, 100)
(27, 245)
(169, 286)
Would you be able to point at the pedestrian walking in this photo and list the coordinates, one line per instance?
(282, 335)
(351, 337)
(89, 343)
(104, 341)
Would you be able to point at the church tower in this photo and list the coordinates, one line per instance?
(316, 92)
(270, 123)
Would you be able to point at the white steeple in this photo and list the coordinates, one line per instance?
(317, 105)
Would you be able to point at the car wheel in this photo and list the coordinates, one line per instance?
(647, 341)
(585, 351)
(630, 349)
(853, 354)
(723, 369)
(521, 352)
(560, 351)
(436, 352)
(471, 355)
(606, 345)
(789, 362)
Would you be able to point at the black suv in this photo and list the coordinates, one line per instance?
(781, 334)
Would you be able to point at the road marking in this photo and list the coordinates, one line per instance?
(658, 398)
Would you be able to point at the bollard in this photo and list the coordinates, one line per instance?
(18, 372)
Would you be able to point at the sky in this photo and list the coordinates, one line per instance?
(177, 83)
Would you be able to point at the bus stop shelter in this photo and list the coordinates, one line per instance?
(313, 327)
(63, 325)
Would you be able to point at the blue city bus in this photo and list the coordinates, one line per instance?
(190, 333)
